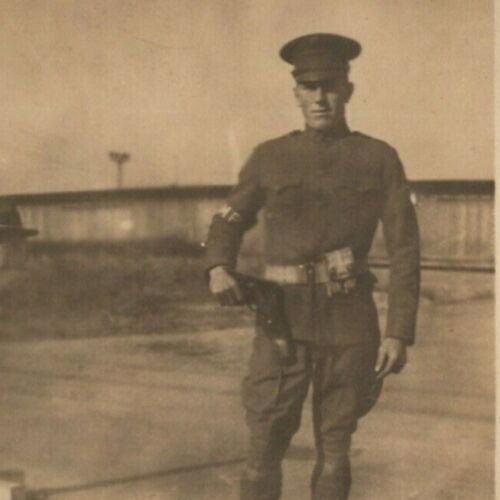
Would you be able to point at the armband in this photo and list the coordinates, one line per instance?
(230, 215)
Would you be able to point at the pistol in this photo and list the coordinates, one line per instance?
(267, 300)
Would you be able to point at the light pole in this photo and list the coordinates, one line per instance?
(119, 159)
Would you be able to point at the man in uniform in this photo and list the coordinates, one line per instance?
(13, 239)
(323, 191)
(13, 248)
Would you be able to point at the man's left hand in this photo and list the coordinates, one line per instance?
(391, 357)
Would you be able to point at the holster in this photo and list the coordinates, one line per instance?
(267, 299)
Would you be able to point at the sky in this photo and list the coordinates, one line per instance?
(188, 88)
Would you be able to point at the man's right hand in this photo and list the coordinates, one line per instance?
(225, 287)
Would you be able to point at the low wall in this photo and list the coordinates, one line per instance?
(455, 218)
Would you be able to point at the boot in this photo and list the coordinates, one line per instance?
(256, 485)
(331, 481)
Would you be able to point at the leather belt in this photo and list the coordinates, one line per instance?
(301, 274)
(313, 272)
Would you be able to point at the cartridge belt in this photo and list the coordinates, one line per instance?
(300, 274)
(313, 272)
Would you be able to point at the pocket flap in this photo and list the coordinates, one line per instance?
(285, 184)
(278, 183)
(359, 184)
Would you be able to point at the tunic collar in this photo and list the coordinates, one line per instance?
(329, 135)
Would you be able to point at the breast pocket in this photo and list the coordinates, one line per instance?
(370, 197)
(284, 197)
(360, 195)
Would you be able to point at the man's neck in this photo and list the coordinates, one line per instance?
(335, 132)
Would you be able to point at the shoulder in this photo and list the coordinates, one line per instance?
(377, 155)
(374, 156)
(277, 157)
(279, 143)
(268, 155)
(371, 145)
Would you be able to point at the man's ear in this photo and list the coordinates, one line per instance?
(349, 91)
(296, 95)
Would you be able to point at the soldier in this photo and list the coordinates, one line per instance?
(323, 191)
(13, 238)
(13, 253)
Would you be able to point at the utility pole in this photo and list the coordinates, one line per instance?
(119, 159)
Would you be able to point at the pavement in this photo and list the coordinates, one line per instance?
(159, 417)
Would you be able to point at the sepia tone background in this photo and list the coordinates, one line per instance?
(120, 377)
(188, 88)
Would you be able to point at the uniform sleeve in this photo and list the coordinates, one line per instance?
(401, 234)
(239, 214)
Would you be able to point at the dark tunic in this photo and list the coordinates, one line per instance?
(323, 192)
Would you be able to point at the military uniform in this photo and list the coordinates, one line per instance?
(11, 226)
(320, 191)
(12, 245)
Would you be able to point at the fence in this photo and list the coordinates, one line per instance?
(455, 217)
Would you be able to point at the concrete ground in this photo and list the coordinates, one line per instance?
(159, 417)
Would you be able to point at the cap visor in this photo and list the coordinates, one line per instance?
(6, 232)
(319, 75)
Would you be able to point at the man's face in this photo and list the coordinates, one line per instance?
(323, 101)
